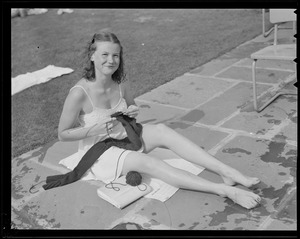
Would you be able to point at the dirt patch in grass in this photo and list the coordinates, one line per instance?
(159, 45)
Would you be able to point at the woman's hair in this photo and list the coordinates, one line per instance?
(89, 68)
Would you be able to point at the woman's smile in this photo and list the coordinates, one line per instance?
(107, 57)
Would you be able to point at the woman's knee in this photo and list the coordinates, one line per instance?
(159, 128)
(162, 128)
(139, 162)
(161, 131)
(154, 135)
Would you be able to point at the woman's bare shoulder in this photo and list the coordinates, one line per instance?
(126, 86)
(76, 92)
(81, 82)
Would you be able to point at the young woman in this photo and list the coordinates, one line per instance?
(102, 92)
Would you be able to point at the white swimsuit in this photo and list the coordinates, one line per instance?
(109, 165)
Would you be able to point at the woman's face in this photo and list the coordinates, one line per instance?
(106, 58)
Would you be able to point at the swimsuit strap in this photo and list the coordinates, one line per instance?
(121, 95)
(80, 86)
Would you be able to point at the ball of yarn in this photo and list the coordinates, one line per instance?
(133, 178)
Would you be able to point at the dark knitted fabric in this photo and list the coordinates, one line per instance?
(131, 142)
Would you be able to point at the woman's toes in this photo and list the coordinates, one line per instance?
(257, 198)
(251, 204)
(244, 198)
(255, 203)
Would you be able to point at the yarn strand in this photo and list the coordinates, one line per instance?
(133, 178)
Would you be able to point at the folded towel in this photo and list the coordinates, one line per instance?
(21, 82)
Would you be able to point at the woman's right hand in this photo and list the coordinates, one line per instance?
(105, 125)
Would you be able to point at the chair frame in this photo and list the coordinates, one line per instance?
(279, 93)
(255, 56)
(265, 34)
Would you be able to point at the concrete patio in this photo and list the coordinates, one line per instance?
(211, 105)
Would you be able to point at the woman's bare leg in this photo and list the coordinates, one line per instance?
(165, 137)
(157, 168)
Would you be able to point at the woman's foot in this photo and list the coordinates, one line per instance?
(232, 177)
(242, 197)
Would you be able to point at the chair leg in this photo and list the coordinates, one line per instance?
(274, 98)
(254, 84)
(275, 33)
(279, 92)
(263, 22)
(265, 34)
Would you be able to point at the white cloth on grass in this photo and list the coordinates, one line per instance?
(37, 11)
(21, 82)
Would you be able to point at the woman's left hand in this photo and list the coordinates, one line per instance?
(132, 111)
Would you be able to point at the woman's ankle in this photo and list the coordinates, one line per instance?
(222, 189)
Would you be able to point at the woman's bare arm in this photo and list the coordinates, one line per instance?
(72, 107)
(127, 93)
(133, 109)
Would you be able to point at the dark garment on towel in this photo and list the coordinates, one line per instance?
(131, 142)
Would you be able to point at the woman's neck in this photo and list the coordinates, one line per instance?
(103, 81)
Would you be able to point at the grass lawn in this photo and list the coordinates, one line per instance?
(159, 45)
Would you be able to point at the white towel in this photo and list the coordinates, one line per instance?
(36, 11)
(21, 82)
